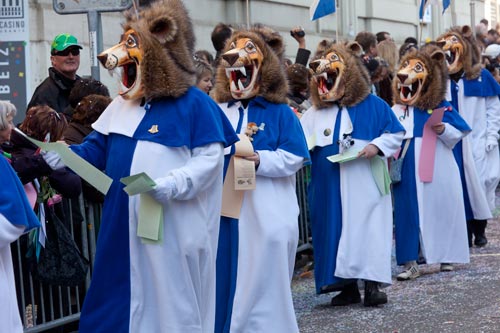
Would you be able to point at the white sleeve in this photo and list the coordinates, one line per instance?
(492, 117)
(389, 143)
(197, 175)
(279, 163)
(451, 136)
(9, 232)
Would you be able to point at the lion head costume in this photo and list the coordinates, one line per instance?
(155, 52)
(462, 52)
(251, 66)
(421, 78)
(339, 76)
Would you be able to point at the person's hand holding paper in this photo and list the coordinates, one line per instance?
(369, 151)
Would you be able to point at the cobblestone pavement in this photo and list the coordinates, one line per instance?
(465, 300)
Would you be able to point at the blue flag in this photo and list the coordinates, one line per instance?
(446, 4)
(320, 8)
(425, 3)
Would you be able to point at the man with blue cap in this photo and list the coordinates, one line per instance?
(65, 58)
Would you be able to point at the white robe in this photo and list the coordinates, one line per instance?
(441, 212)
(10, 320)
(482, 168)
(364, 250)
(171, 283)
(267, 241)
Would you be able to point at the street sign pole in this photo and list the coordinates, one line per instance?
(95, 41)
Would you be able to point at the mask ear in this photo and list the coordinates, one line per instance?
(467, 31)
(163, 29)
(355, 48)
(441, 43)
(438, 55)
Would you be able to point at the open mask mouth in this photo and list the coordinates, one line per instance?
(242, 79)
(453, 56)
(130, 80)
(329, 87)
(326, 81)
(408, 93)
(450, 57)
(129, 75)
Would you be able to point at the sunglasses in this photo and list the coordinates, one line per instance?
(66, 52)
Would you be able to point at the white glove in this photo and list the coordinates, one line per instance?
(491, 143)
(53, 159)
(164, 190)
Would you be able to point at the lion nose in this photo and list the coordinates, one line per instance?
(402, 77)
(314, 65)
(102, 58)
(231, 57)
(109, 61)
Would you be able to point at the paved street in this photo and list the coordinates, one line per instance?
(465, 300)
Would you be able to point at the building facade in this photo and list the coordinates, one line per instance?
(399, 17)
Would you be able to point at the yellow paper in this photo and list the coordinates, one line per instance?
(243, 147)
(150, 224)
(244, 174)
(380, 175)
(231, 199)
(346, 156)
(238, 178)
(82, 168)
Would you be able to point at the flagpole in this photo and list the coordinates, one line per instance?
(248, 15)
(337, 22)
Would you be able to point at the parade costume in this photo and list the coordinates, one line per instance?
(351, 219)
(473, 91)
(429, 214)
(429, 217)
(265, 236)
(16, 218)
(163, 126)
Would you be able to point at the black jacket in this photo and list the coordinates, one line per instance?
(53, 91)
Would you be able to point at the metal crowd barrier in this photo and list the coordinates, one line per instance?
(305, 239)
(44, 307)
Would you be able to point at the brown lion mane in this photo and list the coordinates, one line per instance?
(167, 39)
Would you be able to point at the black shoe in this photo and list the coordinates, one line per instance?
(479, 229)
(348, 295)
(480, 241)
(373, 296)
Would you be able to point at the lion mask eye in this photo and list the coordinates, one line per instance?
(250, 47)
(131, 42)
(419, 68)
(334, 57)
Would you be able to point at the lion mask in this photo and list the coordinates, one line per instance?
(339, 76)
(250, 66)
(421, 78)
(461, 51)
(155, 52)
